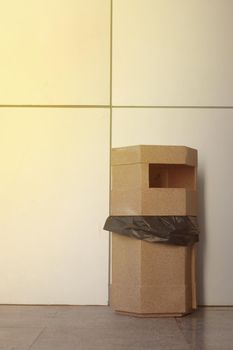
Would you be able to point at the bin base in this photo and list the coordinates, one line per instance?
(133, 314)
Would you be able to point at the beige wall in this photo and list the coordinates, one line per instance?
(54, 184)
(54, 176)
(54, 52)
(169, 54)
(172, 52)
(210, 131)
(56, 58)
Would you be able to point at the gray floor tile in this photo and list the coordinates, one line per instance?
(216, 308)
(101, 328)
(77, 338)
(104, 317)
(18, 338)
(90, 327)
(208, 329)
(26, 316)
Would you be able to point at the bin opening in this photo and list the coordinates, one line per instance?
(172, 176)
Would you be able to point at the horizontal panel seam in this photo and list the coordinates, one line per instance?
(111, 106)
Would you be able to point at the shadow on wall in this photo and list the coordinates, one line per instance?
(202, 242)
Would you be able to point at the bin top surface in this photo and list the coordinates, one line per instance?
(155, 154)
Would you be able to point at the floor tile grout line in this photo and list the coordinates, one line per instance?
(182, 333)
(37, 338)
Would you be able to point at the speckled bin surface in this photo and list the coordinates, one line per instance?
(153, 279)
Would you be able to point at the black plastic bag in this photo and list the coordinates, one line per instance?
(177, 230)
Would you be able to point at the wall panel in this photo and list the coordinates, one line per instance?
(54, 52)
(172, 53)
(54, 196)
(210, 131)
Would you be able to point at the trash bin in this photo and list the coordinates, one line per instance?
(153, 220)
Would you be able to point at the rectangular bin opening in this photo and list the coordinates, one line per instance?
(172, 176)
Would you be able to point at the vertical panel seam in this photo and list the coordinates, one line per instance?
(110, 144)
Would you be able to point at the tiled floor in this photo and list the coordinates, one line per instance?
(97, 327)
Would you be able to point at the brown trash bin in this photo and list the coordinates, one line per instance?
(153, 279)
